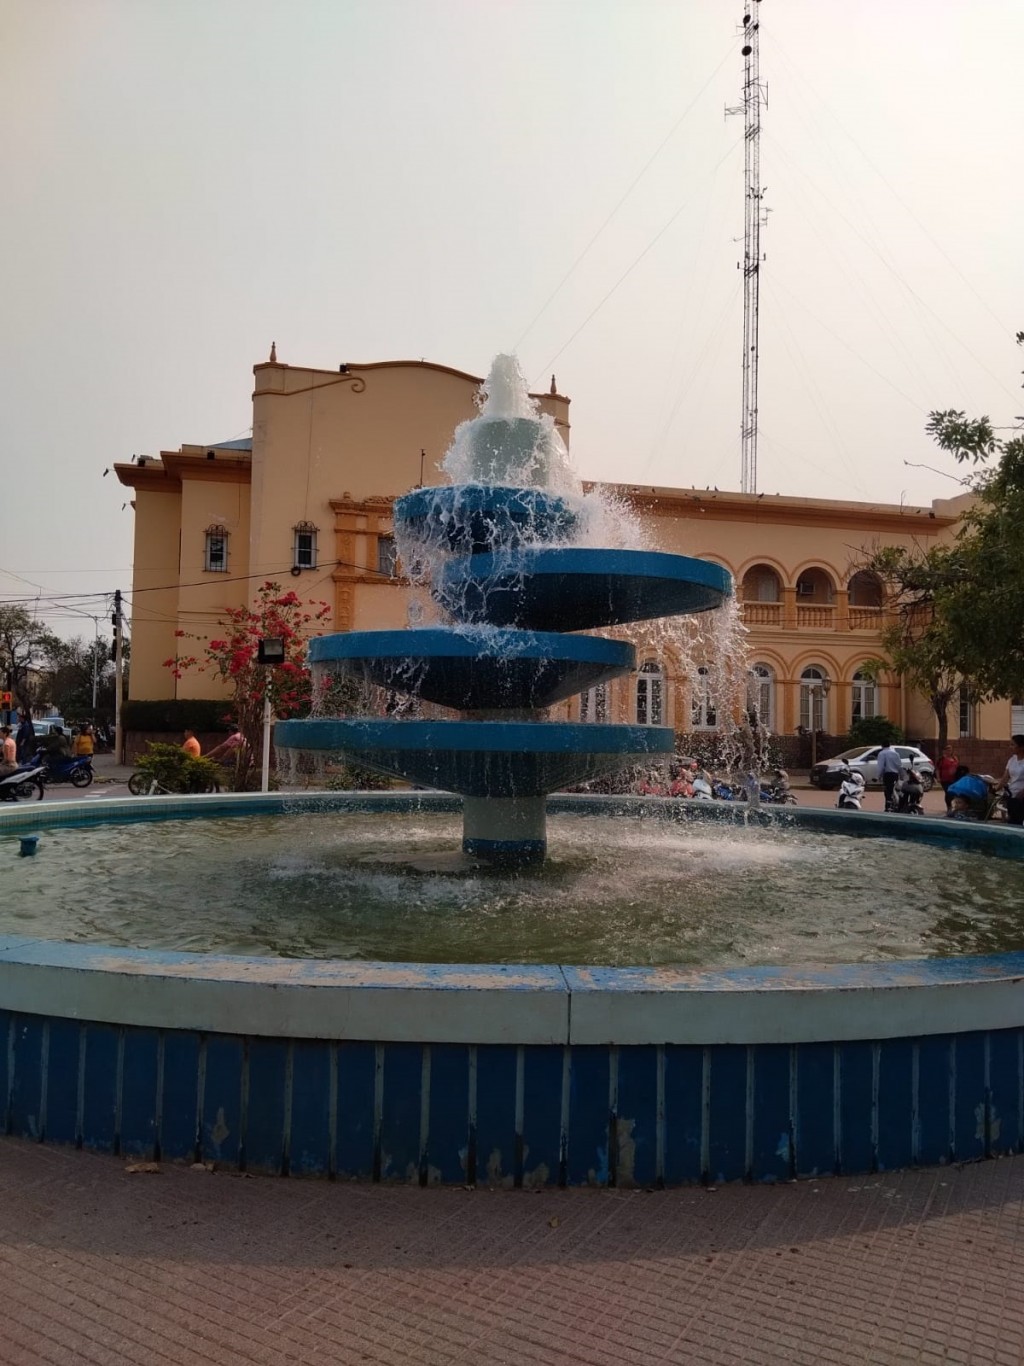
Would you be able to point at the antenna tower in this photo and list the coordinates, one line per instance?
(755, 217)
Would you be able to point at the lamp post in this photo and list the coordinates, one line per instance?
(814, 686)
(269, 652)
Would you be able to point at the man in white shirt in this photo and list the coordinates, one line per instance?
(890, 767)
(1013, 781)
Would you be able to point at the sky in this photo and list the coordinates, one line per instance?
(362, 180)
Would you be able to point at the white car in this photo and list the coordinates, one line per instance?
(829, 773)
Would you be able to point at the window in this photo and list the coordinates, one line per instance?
(703, 715)
(965, 710)
(761, 694)
(865, 697)
(813, 699)
(216, 550)
(594, 704)
(387, 556)
(650, 692)
(304, 546)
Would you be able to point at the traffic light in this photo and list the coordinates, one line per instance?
(6, 699)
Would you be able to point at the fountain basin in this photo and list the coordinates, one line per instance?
(476, 668)
(575, 589)
(470, 518)
(482, 758)
(507, 1075)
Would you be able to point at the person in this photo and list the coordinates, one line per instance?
(192, 746)
(1013, 781)
(890, 767)
(56, 745)
(971, 796)
(651, 785)
(25, 738)
(911, 791)
(226, 751)
(681, 785)
(84, 744)
(8, 752)
(946, 772)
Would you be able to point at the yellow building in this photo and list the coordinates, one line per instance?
(307, 501)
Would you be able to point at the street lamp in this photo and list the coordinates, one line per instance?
(270, 652)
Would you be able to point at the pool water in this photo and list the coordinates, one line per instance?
(622, 891)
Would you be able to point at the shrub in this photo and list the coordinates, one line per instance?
(874, 730)
(177, 771)
(177, 715)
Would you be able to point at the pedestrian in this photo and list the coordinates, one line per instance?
(946, 772)
(84, 745)
(1013, 781)
(192, 746)
(26, 738)
(226, 751)
(8, 752)
(890, 768)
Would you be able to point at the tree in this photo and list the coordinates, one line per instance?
(956, 611)
(25, 645)
(983, 605)
(68, 675)
(233, 657)
(918, 643)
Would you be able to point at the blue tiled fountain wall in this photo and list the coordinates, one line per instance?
(505, 1075)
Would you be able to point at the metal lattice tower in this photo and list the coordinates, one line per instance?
(755, 216)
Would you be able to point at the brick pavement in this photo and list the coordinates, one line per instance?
(102, 1266)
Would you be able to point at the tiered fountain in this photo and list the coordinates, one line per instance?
(506, 566)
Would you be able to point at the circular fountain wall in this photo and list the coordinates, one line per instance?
(521, 1075)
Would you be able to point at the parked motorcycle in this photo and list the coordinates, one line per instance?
(851, 791)
(75, 769)
(23, 784)
(909, 791)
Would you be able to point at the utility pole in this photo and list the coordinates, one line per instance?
(754, 218)
(117, 621)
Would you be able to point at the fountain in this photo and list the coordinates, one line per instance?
(169, 1042)
(504, 563)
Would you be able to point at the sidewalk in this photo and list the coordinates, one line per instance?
(104, 1266)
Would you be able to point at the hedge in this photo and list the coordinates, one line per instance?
(195, 713)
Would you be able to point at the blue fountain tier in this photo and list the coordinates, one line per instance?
(470, 518)
(474, 668)
(572, 589)
(495, 759)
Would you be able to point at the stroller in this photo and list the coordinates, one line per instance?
(851, 791)
(909, 791)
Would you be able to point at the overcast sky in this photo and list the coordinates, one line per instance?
(360, 180)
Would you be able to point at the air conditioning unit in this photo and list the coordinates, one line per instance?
(804, 588)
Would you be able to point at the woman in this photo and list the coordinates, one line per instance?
(84, 744)
(946, 772)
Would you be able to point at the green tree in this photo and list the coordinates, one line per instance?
(25, 646)
(68, 667)
(956, 612)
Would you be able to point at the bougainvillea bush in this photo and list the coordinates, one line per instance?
(274, 614)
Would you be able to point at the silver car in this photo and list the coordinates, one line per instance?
(864, 761)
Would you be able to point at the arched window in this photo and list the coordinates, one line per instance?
(594, 704)
(865, 589)
(703, 715)
(650, 694)
(216, 549)
(814, 586)
(814, 699)
(865, 697)
(304, 546)
(761, 694)
(761, 584)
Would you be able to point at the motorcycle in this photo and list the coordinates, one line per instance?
(75, 769)
(909, 792)
(23, 784)
(851, 792)
(778, 795)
